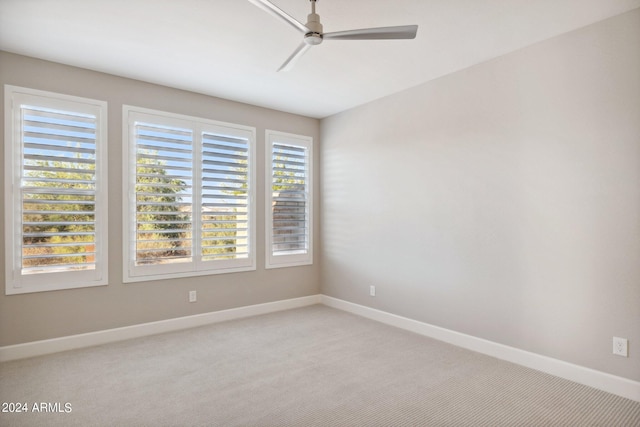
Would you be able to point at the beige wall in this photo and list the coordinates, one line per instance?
(30, 317)
(502, 201)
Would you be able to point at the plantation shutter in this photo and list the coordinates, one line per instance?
(163, 194)
(189, 208)
(225, 197)
(289, 231)
(58, 190)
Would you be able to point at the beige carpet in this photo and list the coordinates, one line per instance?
(313, 366)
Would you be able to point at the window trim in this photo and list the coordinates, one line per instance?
(290, 260)
(17, 283)
(198, 267)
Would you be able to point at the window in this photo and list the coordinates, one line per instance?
(56, 191)
(289, 200)
(189, 196)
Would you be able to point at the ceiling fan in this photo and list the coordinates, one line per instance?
(313, 34)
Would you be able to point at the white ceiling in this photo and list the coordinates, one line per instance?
(232, 49)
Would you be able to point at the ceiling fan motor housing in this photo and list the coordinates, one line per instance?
(314, 36)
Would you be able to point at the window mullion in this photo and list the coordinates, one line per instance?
(197, 196)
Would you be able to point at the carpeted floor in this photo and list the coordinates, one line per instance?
(314, 366)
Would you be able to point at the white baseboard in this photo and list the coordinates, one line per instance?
(54, 345)
(610, 383)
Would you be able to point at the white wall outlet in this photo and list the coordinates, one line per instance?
(372, 291)
(621, 346)
(192, 296)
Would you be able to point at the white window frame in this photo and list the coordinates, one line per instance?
(196, 267)
(16, 281)
(295, 259)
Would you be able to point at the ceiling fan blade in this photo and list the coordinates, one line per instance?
(381, 33)
(271, 8)
(291, 60)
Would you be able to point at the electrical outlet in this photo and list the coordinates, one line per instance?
(372, 291)
(192, 296)
(621, 347)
